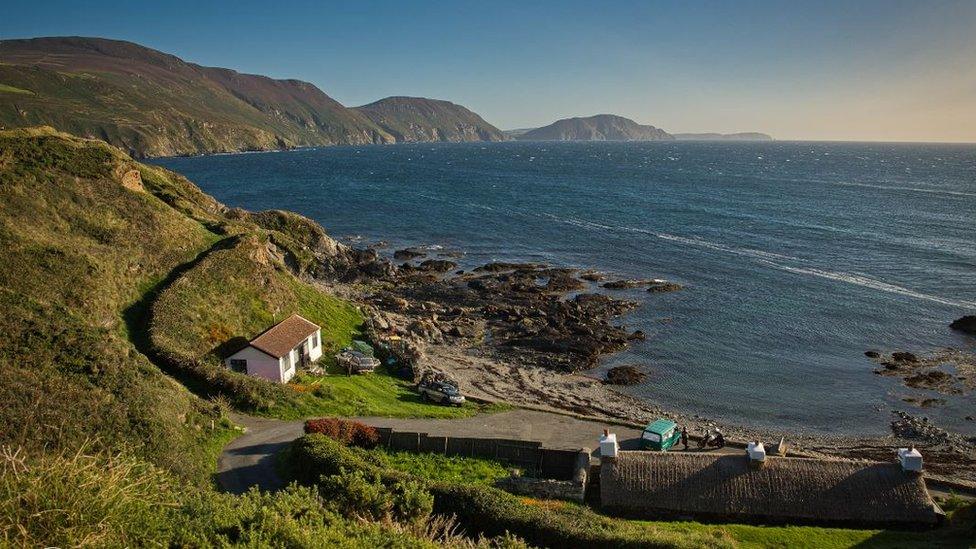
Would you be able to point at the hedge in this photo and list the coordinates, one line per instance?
(350, 433)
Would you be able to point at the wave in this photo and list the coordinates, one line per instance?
(772, 259)
(895, 188)
(868, 282)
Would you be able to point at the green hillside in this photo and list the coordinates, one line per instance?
(416, 119)
(153, 104)
(112, 273)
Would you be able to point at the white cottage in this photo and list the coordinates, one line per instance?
(277, 352)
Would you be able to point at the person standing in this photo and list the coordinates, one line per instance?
(684, 437)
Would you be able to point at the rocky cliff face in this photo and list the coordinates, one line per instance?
(413, 119)
(602, 127)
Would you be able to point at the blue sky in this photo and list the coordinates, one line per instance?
(861, 70)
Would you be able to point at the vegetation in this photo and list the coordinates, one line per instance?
(112, 500)
(170, 107)
(441, 468)
(488, 511)
(416, 119)
(350, 433)
(68, 373)
(377, 394)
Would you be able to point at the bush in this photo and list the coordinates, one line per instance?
(359, 494)
(350, 433)
(112, 500)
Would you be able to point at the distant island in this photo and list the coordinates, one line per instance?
(602, 127)
(741, 136)
(611, 127)
(150, 103)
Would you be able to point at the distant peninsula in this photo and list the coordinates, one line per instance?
(417, 119)
(150, 103)
(602, 127)
(741, 136)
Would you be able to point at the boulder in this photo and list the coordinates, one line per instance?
(665, 287)
(407, 254)
(625, 375)
(904, 356)
(966, 324)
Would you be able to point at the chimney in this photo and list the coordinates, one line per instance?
(757, 454)
(910, 459)
(608, 445)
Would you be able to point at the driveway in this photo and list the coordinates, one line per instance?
(249, 460)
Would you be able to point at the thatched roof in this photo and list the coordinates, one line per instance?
(782, 490)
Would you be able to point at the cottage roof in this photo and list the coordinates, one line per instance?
(785, 489)
(284, 336)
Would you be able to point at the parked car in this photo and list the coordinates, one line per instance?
(355, 362)
(660, 435)
(440, 391)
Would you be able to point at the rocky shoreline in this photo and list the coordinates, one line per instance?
(526, 333)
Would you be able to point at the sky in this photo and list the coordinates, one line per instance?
(866, 70)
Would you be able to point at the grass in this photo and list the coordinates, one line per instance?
(377, 394)
(4, 88)
(441, 468)
(340, 320)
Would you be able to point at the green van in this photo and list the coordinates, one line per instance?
(660, 435)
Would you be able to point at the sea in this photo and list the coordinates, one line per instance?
(795, 257)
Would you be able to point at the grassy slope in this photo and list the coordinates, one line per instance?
(105, 450)
(73, 255)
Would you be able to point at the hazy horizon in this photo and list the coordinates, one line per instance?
(867, 71)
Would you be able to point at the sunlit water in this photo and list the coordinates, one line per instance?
(796, 257)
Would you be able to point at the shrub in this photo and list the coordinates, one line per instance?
(350, 433)
(363, 495)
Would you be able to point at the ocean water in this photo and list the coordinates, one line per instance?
(796, 257)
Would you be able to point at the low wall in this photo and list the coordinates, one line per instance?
(543, 488)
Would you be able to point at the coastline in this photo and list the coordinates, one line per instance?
(487, 370)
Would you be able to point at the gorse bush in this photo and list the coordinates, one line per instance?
(363, 494)
(350, 433)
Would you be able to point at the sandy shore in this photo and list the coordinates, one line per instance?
(484, 376)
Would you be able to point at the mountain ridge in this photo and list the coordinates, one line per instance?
(151, 103)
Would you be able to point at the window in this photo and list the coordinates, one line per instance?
(238, 365)
(315, 340)
(653, 437)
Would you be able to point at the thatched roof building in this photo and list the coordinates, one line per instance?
(652, 484)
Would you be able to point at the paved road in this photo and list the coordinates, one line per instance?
(250, 459)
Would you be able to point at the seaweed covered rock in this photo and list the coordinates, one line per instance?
(625, 375)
